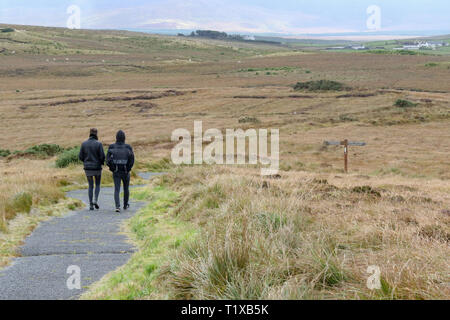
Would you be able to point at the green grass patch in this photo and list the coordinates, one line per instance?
(404, 104)
(4, 153)
(68, 157)
(159, 165)
(157, 233)
(431, 64)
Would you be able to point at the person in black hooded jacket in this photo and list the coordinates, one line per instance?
(120, 160)
(93, 157)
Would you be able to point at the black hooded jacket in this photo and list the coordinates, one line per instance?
(114, 149)
(92, 154)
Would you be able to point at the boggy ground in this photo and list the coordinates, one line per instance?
(150, 85)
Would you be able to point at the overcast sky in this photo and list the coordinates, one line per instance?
(245, 16)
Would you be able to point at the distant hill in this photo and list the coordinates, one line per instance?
(200, 45)
(52, 41)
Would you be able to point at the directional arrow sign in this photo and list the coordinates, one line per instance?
(332, 143)
(341, 143)
(346, 144)
(361, 144)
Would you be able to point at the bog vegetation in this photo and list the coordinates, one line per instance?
(226, 232)
(68, 157)
(321, 85)
(234, 235)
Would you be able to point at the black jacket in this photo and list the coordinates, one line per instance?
(92, 154)
(120, 143)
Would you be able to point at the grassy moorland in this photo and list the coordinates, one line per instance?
(226, 233)
(310, 234)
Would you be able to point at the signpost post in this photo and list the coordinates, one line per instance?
(346, 144)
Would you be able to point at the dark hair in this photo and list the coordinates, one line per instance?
(93, 132)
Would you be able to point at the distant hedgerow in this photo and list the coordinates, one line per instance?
(321, 85)
(41, 151)
(395, 52)
(5, 30)
(45, 150)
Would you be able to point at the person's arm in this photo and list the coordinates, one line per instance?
(108, 157)
(102, 154)
(130, 160)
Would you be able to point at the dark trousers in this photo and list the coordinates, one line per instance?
(98, 180)
(125, 179)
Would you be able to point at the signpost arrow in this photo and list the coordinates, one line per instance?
(346, 144)
(341, 143)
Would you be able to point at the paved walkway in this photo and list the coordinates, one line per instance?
(90, 240)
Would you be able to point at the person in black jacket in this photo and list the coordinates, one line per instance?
(93, 157)
(120, 160)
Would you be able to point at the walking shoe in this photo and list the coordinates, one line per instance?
(96, 206)
(117, 209)
(125, 207)
(91, 207)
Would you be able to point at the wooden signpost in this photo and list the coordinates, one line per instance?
(346, 144)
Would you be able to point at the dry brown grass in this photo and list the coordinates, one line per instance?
(308, 236)
(34, 178)
(400, 141)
